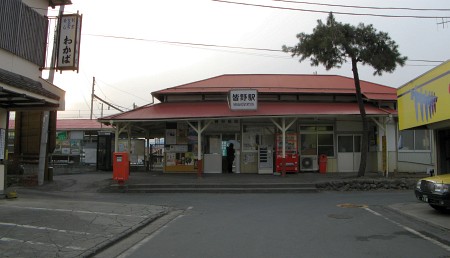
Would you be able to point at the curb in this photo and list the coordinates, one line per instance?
(124, 234)
(214, 188)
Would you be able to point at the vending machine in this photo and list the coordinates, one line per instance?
(265, 159)
(291, 153)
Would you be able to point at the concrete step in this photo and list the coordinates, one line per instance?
(215, 188)
(221, 190)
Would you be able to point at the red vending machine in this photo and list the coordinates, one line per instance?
(291, 153)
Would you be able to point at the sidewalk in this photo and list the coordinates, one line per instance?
(291, 182)
(58, 219)
(52, 227)
(90, 180)
(87, 179)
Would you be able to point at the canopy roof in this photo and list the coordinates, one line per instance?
(19, 92)
(210, 110)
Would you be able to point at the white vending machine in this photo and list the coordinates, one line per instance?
(265, 159)
(237, 156)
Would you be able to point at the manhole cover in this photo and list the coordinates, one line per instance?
(351, 205)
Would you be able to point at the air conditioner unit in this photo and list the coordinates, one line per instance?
(309, 163)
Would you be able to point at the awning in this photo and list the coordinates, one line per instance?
(220, 110)
(21, 93)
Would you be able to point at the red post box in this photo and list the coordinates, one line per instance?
(121, 167)
(323, 164)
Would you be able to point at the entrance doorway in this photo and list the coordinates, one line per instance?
(443, 147)
(226, 140)
(349, 152)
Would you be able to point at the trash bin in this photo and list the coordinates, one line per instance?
(323, 163)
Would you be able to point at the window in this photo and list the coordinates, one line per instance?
(11, 141)
(414, 140)
(317, 140)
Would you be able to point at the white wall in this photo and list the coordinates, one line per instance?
(15, 64)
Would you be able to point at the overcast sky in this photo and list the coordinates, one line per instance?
(128, 46)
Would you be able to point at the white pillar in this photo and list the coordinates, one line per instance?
(199, 140)
(3, 146)
(43, 147)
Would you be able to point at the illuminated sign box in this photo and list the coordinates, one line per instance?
(243, 99)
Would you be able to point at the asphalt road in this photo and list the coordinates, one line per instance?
(71, 219)
(328, 224)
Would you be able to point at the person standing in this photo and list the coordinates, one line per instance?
(230, 157)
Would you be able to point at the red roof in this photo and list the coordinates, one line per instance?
(284, 83)
(74, 125)
(167, 111)
(80, 124)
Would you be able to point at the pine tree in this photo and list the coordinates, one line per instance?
(334, 43)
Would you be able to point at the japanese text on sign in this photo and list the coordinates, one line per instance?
(68, 49)
(243, 99)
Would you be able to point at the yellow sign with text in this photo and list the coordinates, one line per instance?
(426, 99)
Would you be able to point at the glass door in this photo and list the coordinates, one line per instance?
(349, 153)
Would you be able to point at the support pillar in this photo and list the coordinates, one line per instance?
(283, 128)
(4, 117)
(199, 130)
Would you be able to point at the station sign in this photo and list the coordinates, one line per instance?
(243, 99)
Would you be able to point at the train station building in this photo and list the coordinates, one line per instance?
(312, 122)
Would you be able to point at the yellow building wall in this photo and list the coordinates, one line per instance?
(426, 99)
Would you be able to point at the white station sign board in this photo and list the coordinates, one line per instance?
(243, 99)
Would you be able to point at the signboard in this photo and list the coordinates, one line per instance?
(171, 136)
(243, 99)
(62, 135)
(69, 42)
(177, 148)
(426, 99)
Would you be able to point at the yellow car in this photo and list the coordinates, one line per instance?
(435, 191)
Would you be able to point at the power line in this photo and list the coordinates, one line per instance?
(116, 88)
(109, 99)
(224, 46)
(181, 43)
(342, 13)
(364, 7)
(426, 61)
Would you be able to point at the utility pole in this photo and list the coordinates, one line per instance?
(103, 101)
(43, 158)
(92, 96)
